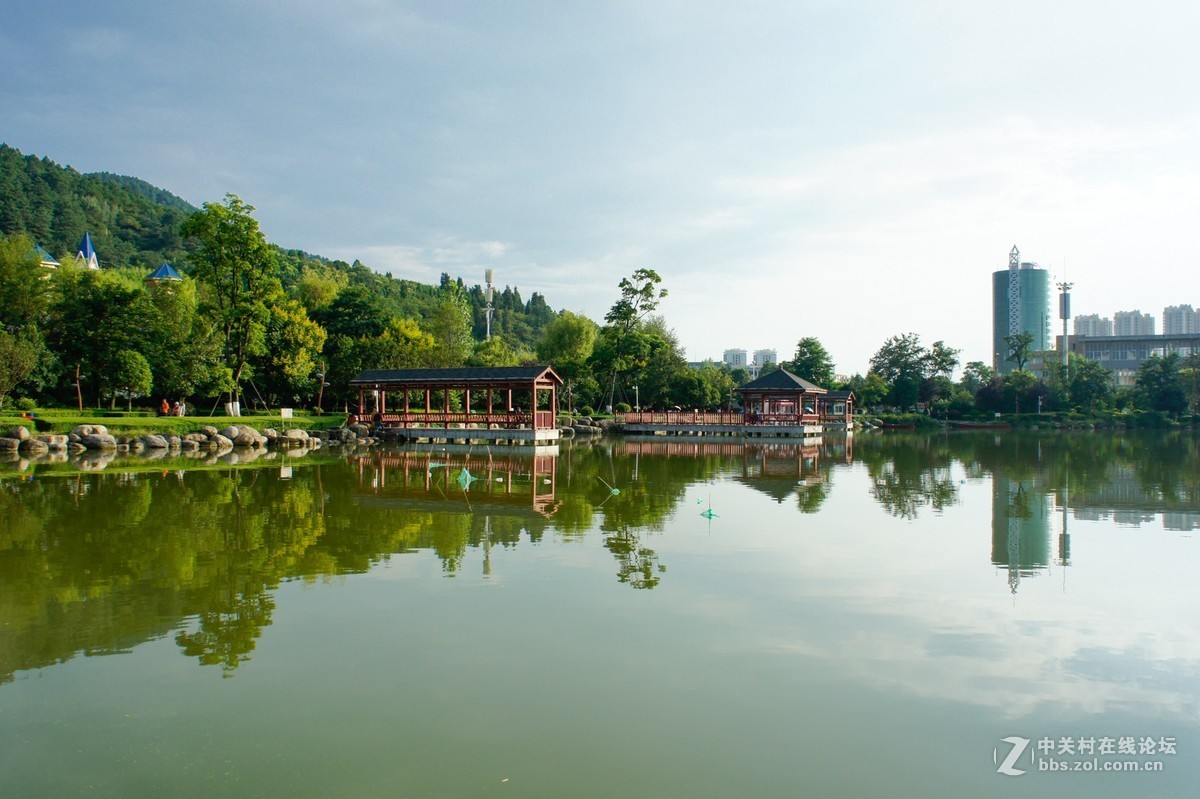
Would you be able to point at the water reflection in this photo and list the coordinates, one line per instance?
(94, 562)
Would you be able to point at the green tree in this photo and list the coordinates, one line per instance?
(24, 291)
(812, 362)
(976, 375)
(450, 326)
(237, 267)
(640, 295)
(566, 343)
(902, 362)
(18, 358)
(289, 360)
(1019, 347)
(493, 352)
(1160, 384)
(1089, 385)
(403, 345)
(131, 373)
(941, 360)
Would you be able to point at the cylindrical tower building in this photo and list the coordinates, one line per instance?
(1020, 304)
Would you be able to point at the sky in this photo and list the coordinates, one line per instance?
(849, 171)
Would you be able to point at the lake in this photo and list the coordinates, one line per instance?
(968, 614)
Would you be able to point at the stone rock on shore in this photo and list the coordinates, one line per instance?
(154, 442)
(97, 440)
(9, 444)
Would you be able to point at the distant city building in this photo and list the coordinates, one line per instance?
(1122, 355)
(734, 359)
(1093, 325)
(1020, 304)
(1180, 320)
(1133, 323)
(764, 357)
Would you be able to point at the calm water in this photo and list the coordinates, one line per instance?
(663, 619)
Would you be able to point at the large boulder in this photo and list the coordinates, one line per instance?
(19, 433)
(55, 442)
(232, 432)
(98, 440)
(246, 438)
(9, 444)
(154, 442)
(90, 430)
(31, 446)
(209, 430)
(296, 435)
(221, 441)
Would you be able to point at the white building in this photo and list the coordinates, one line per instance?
(734, 359)
(1133, 323)
(1093, 325)
(764, 357)
(1180, 320)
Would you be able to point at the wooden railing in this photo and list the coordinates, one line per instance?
(701, 418)
(506, 421)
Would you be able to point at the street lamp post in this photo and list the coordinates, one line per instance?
(637, 404)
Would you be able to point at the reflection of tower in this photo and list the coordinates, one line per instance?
(487, 546)
(1064, 538)
(1020, 529)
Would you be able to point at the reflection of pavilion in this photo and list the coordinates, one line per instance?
(779, 470)
(466, 473)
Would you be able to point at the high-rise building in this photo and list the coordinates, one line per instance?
(764, 357)
(734, 358)
(1133, 323)
(1180, 320)
(1092, 325)
(1020, 304)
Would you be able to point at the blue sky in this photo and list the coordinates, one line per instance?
(844, 170)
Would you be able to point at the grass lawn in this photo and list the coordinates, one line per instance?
(58, 420)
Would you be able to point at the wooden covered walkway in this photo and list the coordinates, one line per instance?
(461, 403)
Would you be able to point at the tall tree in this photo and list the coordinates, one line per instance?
(237, 267)
(1161, 385)
(1019, 347)
(812, 362)
(640, 295)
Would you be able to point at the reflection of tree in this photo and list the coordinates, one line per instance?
(810, 497)
(637, 566)
(909, 473)
(227, 634)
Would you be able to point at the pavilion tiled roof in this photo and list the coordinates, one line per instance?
(781, 380)
(456, 376)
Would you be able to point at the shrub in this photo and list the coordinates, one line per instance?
(26, 404)
(623, 407)
(587, 410)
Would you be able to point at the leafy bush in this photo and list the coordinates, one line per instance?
(623, 407)
(587, 410)
(26, 404)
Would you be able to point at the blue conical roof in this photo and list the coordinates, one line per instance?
(164, 272)
(87, 253)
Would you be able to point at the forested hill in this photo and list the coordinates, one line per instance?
(135, 224)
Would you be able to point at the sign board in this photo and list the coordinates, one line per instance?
(285, 413)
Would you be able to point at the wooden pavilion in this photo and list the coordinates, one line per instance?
(781, 398)
(423, 401)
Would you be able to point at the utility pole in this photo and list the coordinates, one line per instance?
(487, 309)
(1064, 313)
